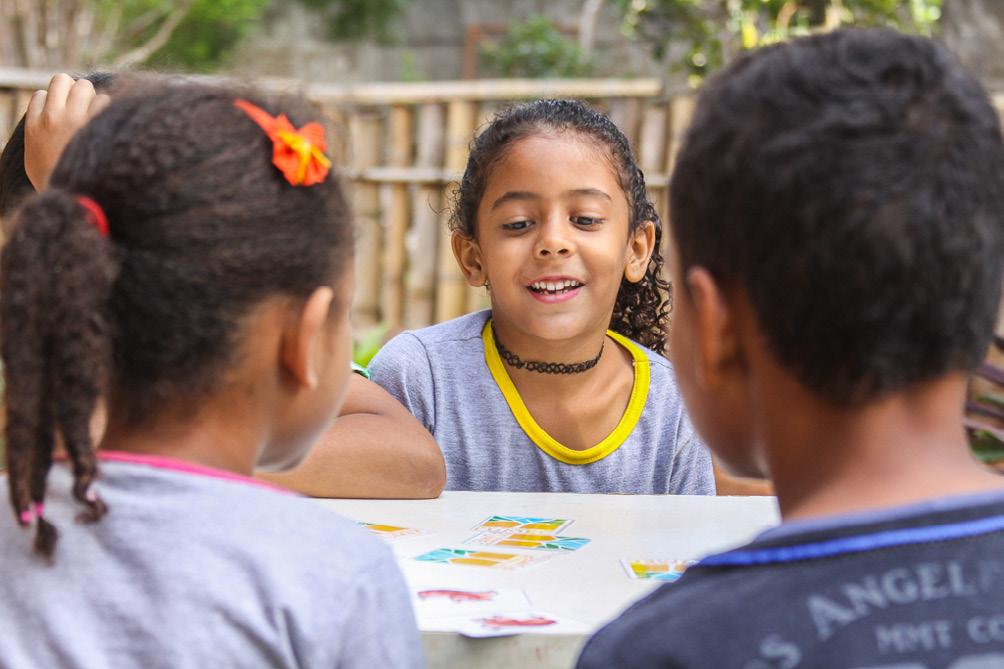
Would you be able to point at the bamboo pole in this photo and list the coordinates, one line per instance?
(625, 113)
(681, 109)
(395, 200)
(477, 297)
(21, 102)
(420, 284)
(451, 287)
(366, 130)
(651, 154)
(391, 93)
(483, 89)
(414, 175)
(8, 114)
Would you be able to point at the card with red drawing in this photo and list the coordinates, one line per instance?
(439, 601)
(507, 623)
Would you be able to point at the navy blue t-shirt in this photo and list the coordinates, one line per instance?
(919, 587)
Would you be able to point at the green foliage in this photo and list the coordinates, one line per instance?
(367, 344)
(360, 19)
(714, 31)
(535, 49)
(211, 29)
(208, 34)
(987, 447)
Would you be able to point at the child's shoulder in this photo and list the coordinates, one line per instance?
(660, 368)
(300, 529)
(447, 341)
(242, 516)
(464, 328)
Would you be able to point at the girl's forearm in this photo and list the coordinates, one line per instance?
(366, 455)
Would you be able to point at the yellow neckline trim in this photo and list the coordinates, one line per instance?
(547, 443)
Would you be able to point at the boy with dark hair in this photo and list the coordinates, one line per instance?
(838, 215)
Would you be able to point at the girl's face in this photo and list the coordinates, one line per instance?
(313, 410)
(552, 237)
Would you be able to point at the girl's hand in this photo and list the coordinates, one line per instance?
(53, 117)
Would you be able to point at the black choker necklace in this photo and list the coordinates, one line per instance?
(543, 367)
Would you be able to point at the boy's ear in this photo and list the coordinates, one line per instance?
(304, 339)
(639, 252)
(717, 337)
(468, 255)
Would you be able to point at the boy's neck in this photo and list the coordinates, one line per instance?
(902, 449)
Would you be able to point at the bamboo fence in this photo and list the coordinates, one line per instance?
(403, 146)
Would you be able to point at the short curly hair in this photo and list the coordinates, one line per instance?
(641, 310)
(853, 184)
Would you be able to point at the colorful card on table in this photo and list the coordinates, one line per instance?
(437, 601)
(506, 623)
(473, 558)
(523, 524)
(533, 541)
(391, 532)
(656, 570)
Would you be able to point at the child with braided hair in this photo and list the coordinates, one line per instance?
(375, 449)
(190, 261)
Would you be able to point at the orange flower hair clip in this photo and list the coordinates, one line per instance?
(299, 154)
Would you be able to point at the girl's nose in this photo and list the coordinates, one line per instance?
(553, 240)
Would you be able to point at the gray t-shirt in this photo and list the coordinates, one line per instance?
(190, 570)
(441, 375)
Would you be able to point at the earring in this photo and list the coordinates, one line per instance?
(488, 287)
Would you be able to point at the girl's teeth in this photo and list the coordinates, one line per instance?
(554, 287)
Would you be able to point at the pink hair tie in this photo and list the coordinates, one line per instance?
(98, 218)
(33, 512)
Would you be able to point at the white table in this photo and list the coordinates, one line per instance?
(589, 585)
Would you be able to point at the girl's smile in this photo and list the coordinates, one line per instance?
(553, 289)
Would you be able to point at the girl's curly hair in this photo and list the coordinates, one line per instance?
(641, 311)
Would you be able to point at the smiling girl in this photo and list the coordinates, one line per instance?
(558, 387)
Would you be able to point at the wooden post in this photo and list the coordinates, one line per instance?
(395, 199)
(8, 114)
(366, 129)
(624, 112)
(681, 110)
(451, 288)
(651, 152)
(477, 296)
(423, 240)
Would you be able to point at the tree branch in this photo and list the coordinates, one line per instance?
(105, 41)
(26, 20)
(159, 39)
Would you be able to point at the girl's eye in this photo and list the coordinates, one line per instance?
(586, 221)
(516, 225)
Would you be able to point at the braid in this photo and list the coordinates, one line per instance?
(57, 273)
